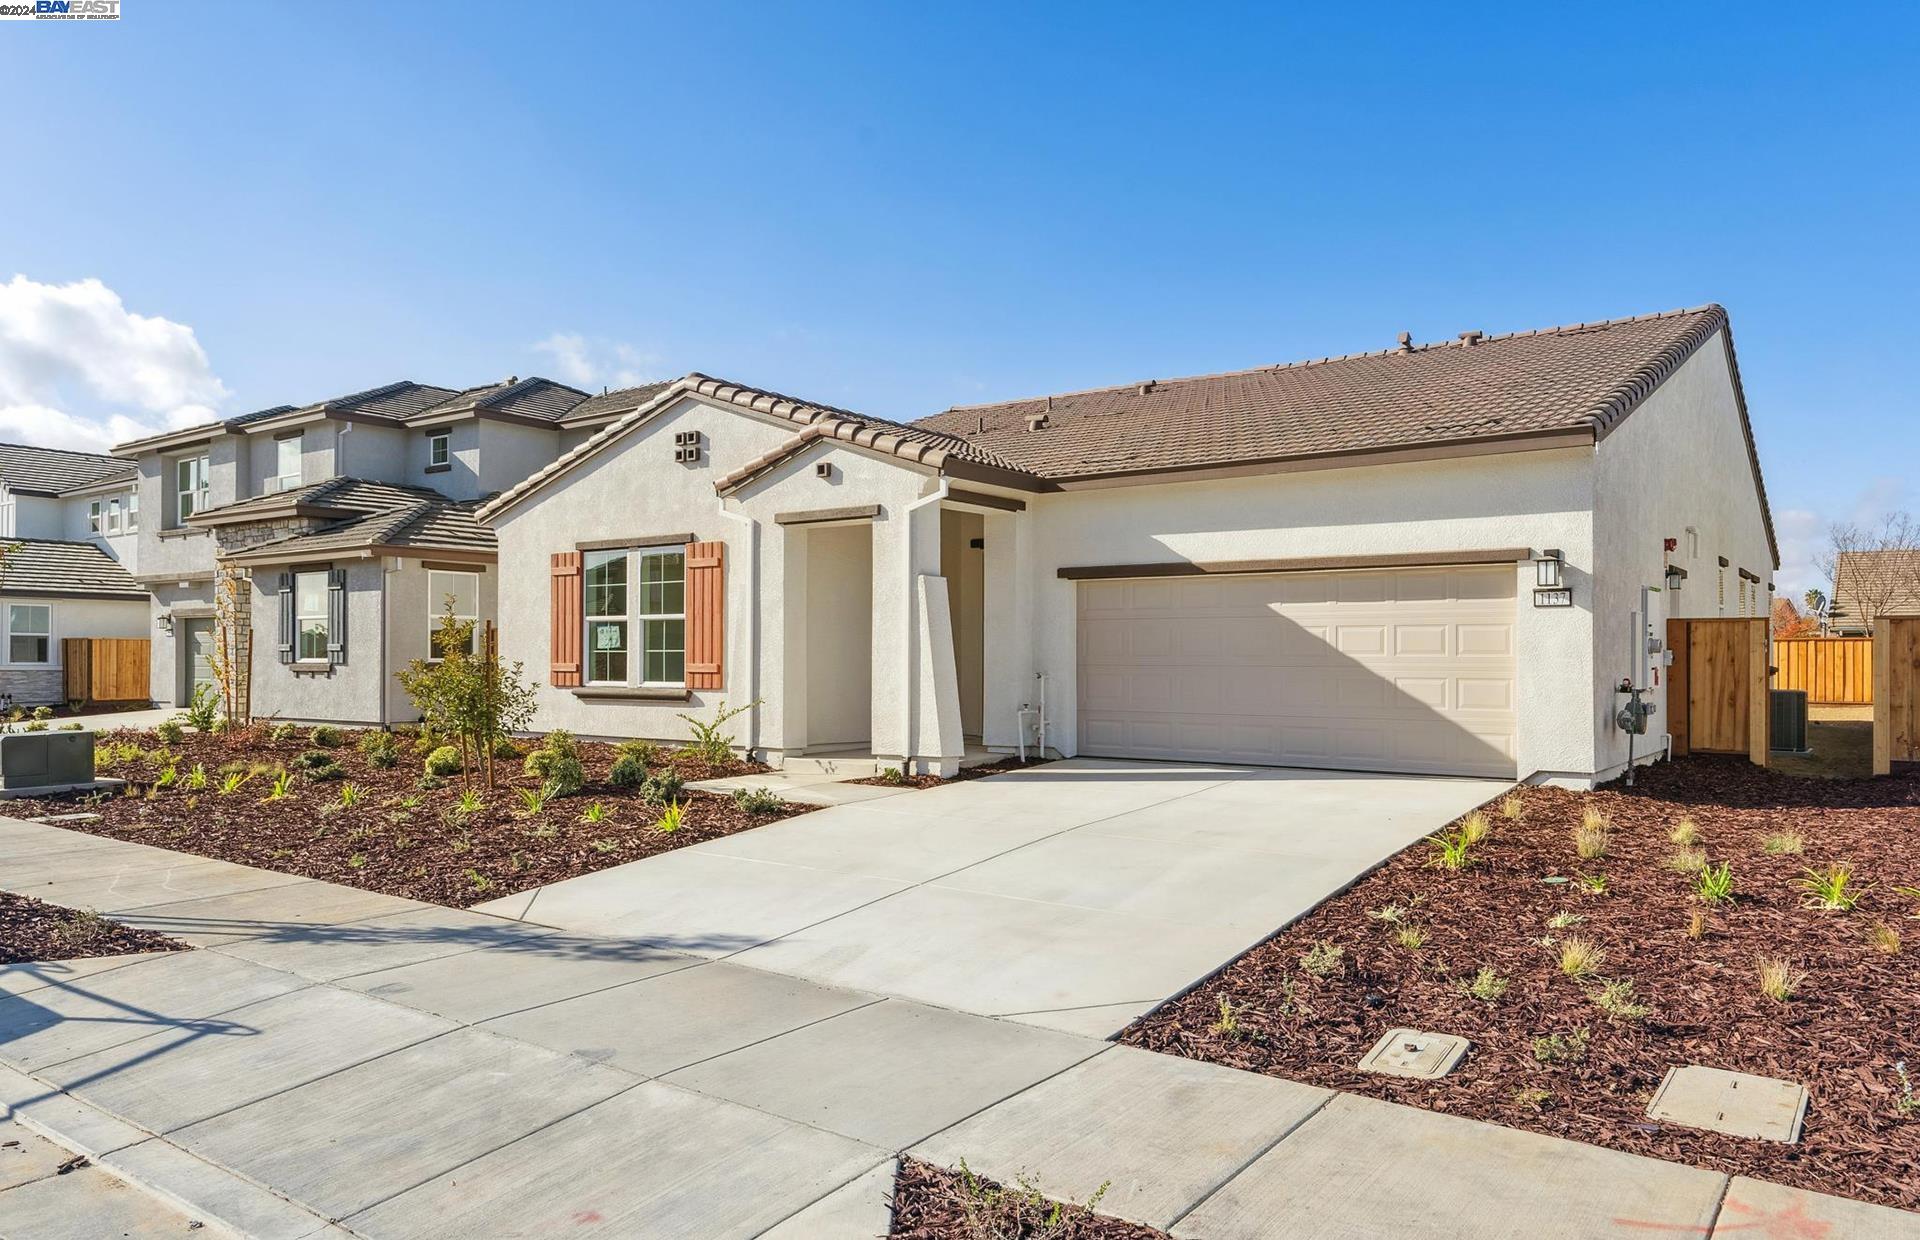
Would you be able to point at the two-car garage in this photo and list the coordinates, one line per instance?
(1392, 669)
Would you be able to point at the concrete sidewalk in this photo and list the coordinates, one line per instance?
(332, 1062)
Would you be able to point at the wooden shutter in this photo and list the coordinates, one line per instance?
(706, 614)
(336, 616)
(563, 659)
(286, 618)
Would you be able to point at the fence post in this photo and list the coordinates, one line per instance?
(1883, 696)
(1759, 703)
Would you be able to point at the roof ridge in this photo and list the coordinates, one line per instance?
(97, 456)
(57, 542)
(1308, 363)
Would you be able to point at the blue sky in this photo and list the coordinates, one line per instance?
(901, 207)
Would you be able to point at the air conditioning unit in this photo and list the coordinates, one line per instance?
(1787, 720)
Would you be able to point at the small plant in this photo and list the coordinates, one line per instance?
(1781, 843)
(1390, 913)
(36, 725)
(1594, 884)
(1590, 837)
(282, 734)
(1564, 920)
(444, 762)
(169, 731)
(84, 927)
(556, 764)
(1487, 985)
(1685, 860)
(411, 801)
(1451, 850)
(1580, 957)
(1413, 938)
(167, 777)
(1563, 1047)
(757, 800)
(1884, 938)
(1475, 828)
(42, 713)
(1714, 884)
(1906, 1103)
(1323, 959)
(1617, 999)
(75, 726)
(661, 788)
(1685, 834)
(1832, 889)
(1513, 806)
(711, 743)
(351, 795)
(594, 815)
(1228, 1026)
(648, 752)
(893, 775)
(282, 787)
(326, 736)
(1697, 923)
(533, 801)
(629, 771)
(1532, 1098)
(316, 764)
(672, 818)
(197, 778)
(1778, 979)
(357, 861)
(231, 781)
(478, 881)
(604, 845)
(466, 805)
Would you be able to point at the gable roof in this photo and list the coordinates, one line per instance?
(534, 398)
(1890, 575)
(370, 518)
(28, 470)
(335, 498)
(616, 401)
(52, 568)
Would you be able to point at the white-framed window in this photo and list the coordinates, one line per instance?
(190, 485)
(311, 626)
(439, 449)
(286, 464)
(94, 523)
(29, 633)
(461, 592)
(113, 515)
(635, 609)
(133, 512)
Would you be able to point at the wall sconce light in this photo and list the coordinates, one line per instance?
(1675, 575)
(1547, 569)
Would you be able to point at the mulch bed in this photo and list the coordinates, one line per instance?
(399, 838)
(930, 1203)
(998, 767)
(1841, 1033)
(31, 930)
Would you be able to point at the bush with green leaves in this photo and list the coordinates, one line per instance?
(757, 800)
(556, 763)
(711, 742)
(316, 764)
(629, 771)
(649, 752)
(283, 733)
(202, 712)
(75, 726)
(43, 713)
(169, 731)
(661, 787)
(444, 761)
(36, 725)
(475, 699)
(328, 737)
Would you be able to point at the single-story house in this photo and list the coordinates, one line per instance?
(1332, 563)
(1869, 584)
(53, 589)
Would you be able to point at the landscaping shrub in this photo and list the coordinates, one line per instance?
(661, 788)
(328, 737)
(503, 747)
(203, 711)
(36, 725)
(556, 764)
(443, 761)
(317, 764)
(757, 800)
(43, 713)
(648, 752)
(169, 731)
(711, 744)
(629, 771)
(75, 726)
(281, 733)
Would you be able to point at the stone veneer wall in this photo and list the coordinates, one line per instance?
(34, 686)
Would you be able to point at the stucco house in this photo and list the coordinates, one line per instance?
(1427, 559)
(69, 522)
(1870, 584)
(336, 532)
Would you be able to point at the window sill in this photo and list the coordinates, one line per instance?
(183, 531)
(439, 469)
(311, 667)
(630, 694)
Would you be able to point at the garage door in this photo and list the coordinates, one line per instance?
(1389, 670)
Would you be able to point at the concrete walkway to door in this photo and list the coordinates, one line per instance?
(1073, 896)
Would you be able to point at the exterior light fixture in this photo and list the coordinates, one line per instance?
(1675, 575)
(1547, 566)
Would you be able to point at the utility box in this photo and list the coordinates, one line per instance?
(1787, 711)
(44, 761)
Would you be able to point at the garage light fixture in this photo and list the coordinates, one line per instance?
(1675, 575)
(1547, 567)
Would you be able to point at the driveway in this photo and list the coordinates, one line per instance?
(1074, 896)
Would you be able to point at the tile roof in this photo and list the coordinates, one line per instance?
(1888, 580)
(49, 471)
(64, 570)
(383, 518)
(533, 397)
(1585, 376)
(617, 401)
(335, 496)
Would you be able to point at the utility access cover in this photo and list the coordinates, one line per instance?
(1409, 1052)
(1731, 1102)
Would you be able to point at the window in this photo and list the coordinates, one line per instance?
(29, 633)
(93, 516)
(655, 625)
(113, 516)
(133, 511)
(190, 485)
(310, 616)
(286, 464)
(439, 449)
(461, 592)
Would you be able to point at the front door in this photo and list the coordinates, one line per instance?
(198, 649)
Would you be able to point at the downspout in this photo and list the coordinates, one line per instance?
(913, 628)
(388, 567)
(752, 530)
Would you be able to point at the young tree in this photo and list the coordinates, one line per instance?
(1880, 566)
(467, 694)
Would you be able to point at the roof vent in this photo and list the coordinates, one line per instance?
(510, 380)
(1469, 339)
(1406, 342)
(1148, 386)
(1036, 421)
(983, 425)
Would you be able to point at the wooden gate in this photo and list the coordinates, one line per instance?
(1834, 671)
(106, 669)
(1896, 692)
(1717, 687)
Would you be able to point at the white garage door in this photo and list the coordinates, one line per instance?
(1389, 670)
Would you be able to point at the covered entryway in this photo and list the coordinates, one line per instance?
(1404, 669)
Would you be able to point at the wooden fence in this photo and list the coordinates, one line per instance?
(1834, 671)
(106, 669)
(1896, 692)
(1717, 687)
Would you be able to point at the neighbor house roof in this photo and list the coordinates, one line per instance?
(617, 401)
(336, 498)
(374, 518)
(1888, 580)
(28, 470)
(534, 399)
(54, 569)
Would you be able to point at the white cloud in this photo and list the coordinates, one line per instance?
(76, 346)
(591, 363)
(1805, 535)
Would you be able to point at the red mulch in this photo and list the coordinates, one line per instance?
(400, 839)
(999, 767)
(1854, 1017)
(32, 930)
(934, 1204)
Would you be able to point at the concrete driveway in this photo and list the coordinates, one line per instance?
(1074, 896)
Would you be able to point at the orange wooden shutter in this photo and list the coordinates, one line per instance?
(564, 653)
(706, 614)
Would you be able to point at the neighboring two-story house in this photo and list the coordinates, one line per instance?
(69, 523)
(338, 533)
